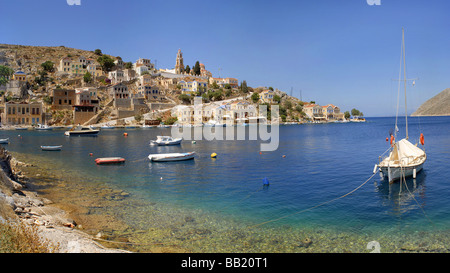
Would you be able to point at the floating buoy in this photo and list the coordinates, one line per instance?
(422, 139)
(266, 181)
(284, 156)
(260, 153)
(387, 139)
(161, 178)
(213, 155)
(91, 154)
(125, 134)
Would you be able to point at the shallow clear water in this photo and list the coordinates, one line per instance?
(322, 162)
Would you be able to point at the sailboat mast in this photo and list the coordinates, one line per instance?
(404, 76)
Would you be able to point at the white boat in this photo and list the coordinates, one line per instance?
(81, 130)
(107, 126)
(4, 140)
(171, 157)
(21, 128)
(166, 140)
(358, 119)
(51, 148)
(43, 127)
(405, 159)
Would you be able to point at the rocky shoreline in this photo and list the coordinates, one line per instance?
(53, 224)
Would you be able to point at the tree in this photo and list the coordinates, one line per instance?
(98, 52)
(106, 62)
(197, 68)
(288, 104)
(5, 74)
(214, 85)
(227, 86)
(187, 69)
(244, 87)
(48, 66)
(87, 78)
(276, 98)
(185, 98)
(355, 112)
(128, 65)
(347, 114)
(255, 97)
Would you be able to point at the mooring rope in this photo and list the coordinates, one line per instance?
(316, 206)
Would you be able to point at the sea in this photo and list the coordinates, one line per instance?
(322, 194)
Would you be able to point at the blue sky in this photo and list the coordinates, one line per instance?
(344, 52)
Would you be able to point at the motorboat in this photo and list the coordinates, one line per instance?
(166, 140)
(109, 160)
(81, 130)
(4, 140)
(171, 157)
(51, 148)
(43, 127)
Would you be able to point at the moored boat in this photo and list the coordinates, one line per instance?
(171, 157)
(109, 160)
(43, 127)
(166, 140)
(51, 148)
(405, 159)
(4, 140)
(81, 130)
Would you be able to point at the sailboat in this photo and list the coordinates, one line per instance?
(405, 159)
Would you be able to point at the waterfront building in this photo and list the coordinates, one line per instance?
(314, 112)
(22, 113)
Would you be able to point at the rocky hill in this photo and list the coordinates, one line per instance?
(438, 105)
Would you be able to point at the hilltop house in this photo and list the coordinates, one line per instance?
(189, 87)
(267, 96)
(63, 99)
(221, 82)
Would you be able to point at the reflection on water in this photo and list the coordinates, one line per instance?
(403, 196)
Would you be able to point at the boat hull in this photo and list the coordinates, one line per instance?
(171, 157)
(393, 174)
(81, 133)
(109, 160)
(51, 148)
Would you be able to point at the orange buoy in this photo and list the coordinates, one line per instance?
(125, 134)
(90, 154)
(387, 139)
(392, 139)
(422, 139)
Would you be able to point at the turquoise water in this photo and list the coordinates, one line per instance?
(322, 162)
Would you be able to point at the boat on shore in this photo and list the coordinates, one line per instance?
(171, 157)
(81, 130)
(51, 148)
(109, 160)
(166, 140)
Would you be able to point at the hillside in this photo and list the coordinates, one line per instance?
(438, 105)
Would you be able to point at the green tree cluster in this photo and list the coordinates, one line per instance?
(5, 74)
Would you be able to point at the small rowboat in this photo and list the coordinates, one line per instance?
(51, 148)
(109, 160)
(171, 157)
(4, 141)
